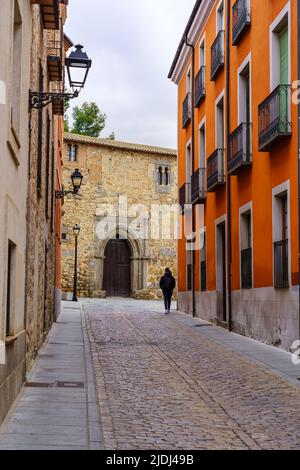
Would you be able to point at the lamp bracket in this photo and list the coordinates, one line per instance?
(38, 100)
(62, 194)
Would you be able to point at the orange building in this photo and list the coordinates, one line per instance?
(238, 167)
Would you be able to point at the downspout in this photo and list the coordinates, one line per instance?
(193, 169)
(229, 238)
(298, 44)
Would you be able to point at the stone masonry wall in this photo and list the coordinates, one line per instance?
(108, 174)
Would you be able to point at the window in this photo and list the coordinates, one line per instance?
(203, 263)
(65, 233)
(167, 176)
(16, 71)
(244, 93)
(189, 163)
(281, 237)
(220, 141)
(40, 135)
(202, 147)
(220, 17)
(279, 50)
(10, 288)
(246, 249)
(72, 153)
(188, 82)
(202, 53)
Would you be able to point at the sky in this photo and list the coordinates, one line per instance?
(132, 44)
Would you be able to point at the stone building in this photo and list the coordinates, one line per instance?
(32, 51)
(15, 44)
(116, 256)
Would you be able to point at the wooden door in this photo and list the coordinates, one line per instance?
(116, 281)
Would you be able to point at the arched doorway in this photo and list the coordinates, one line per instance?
(117, 275)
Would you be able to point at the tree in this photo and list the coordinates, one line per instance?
(88, 120)
(112, 136)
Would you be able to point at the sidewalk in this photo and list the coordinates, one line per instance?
(57, 408)
(275, 360)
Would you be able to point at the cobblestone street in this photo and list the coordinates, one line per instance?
(163, 384)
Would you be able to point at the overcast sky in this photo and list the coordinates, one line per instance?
(132, 44)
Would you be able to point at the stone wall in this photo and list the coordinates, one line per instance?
(114, 170)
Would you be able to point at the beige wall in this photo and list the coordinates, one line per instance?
(13, 189)
(111, 172)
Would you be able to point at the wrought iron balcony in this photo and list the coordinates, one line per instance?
(215, 170)
(49, 13)
(246, 268)
(203, 276)
(199, 186)
(54, 61)
(281, 263)
(184, 196)
(187, 110)
(241, 19)
(217, 54)
(274, 120)
(240, 148)
(200, 86)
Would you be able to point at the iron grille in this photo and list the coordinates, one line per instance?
(246, 268)
(217, 54)
(215, 169)
(200, 86)
(281, 274)
(240, 152)
(184, 196)
(186, 110)
(203, 275)
(199, 185)
(241, 19)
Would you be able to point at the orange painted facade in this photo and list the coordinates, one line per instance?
(255, 186)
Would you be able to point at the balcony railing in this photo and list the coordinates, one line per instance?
(187, 110)
(217, 54)
(241, 19)
(203, 276)
(215, 170)
(274, 117)
(200, 86)
(49, 13)
(199, 186)
(184, 196)
(240, 148)
(246, 268)
(281, 263)
(54, 61)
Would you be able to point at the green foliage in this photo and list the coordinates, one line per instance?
(88, 120)
(112, 136)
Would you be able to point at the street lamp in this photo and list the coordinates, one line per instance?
(76, 230)
(76, 178)
(78, 66)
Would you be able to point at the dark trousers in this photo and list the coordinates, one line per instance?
(168, 298)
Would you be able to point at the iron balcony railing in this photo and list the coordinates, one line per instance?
(184, 196)
(274, 120)
(215, 170)
(241, 19)
(187, 110)
(246, 268)
(240, 148)
(199, 186)
(281, 263)
(203, 276)
(217, 54)
(200, 86)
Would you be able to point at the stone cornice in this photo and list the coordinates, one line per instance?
(117, 145)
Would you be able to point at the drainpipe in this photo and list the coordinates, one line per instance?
(229, 238)
(298, 40)
(193, 167)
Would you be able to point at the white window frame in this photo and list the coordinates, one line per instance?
(202, 123)
(242, 67)
(221, 3)
(242, 210)
(276, 192)
(189, 80)
(274, 46)
(202, 46)
(219, 98)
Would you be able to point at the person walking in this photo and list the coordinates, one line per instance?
(167, 285)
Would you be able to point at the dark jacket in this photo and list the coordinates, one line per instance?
(167, 282)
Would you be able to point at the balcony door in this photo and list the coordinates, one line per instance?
(221, 272)
(284, 74)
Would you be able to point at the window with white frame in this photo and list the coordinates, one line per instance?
(246, 248)
(220, 17)
(281, 237)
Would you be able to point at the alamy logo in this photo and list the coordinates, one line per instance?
(2, 92)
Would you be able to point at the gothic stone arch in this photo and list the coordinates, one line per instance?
(139, 258)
